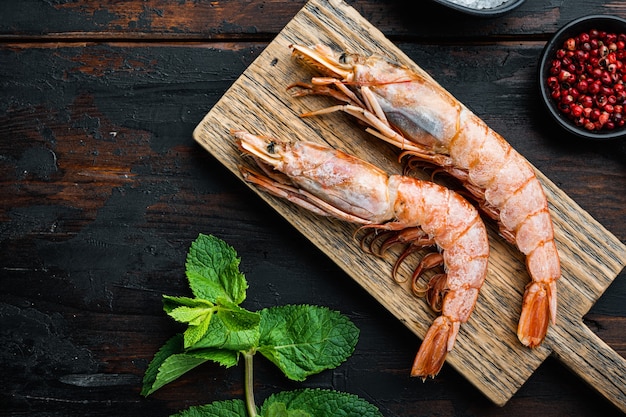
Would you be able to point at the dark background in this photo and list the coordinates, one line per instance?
(103, 189)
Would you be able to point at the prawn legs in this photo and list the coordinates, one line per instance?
(429, 125)
(404, 209)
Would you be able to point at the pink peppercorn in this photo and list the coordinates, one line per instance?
(587, 79)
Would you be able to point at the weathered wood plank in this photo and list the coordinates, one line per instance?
(237, 19)
(257, 102)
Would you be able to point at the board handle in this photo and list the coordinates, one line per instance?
(594, 361)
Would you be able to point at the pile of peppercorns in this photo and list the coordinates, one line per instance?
(587, 80)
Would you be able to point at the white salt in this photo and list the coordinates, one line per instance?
(479, 4)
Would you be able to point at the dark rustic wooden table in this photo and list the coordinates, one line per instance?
(103, 189)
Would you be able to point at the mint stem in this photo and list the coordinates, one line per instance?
(249, 384)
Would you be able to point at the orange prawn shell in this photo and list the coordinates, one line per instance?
(458, 231)
(420, 117)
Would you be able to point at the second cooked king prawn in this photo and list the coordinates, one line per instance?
(417, 115)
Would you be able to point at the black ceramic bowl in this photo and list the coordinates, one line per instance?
(610, 24)
(505, 7)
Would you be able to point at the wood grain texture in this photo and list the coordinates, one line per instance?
(244, 19)
(103, 188)
(591, 256)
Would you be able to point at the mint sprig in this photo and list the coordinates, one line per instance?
(198, 313)
(301, 340)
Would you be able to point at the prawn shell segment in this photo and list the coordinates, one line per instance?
(542, 260)
(515, 172)
(458, 231)
(534, 231)
(466, 264)
(515, 210)
(464, 148)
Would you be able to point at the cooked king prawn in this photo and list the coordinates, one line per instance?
(411, 211)
(428, 124)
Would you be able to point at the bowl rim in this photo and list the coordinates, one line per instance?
(505, 7)
(578, 24)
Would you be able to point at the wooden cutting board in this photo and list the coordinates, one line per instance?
(487, 351)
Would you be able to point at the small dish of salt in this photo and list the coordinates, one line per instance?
(485, 8)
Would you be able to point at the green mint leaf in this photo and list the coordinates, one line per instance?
(196, 312)
(192, 315)
(319, 403)
(224, 357)
(168, 364)
(171, 347)
(236, 318)
(212, 269)
(231, 408)
(223, 335)
(277, 409)
(304, 340)
(170, 303)
(175, 366)
(194, 333)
